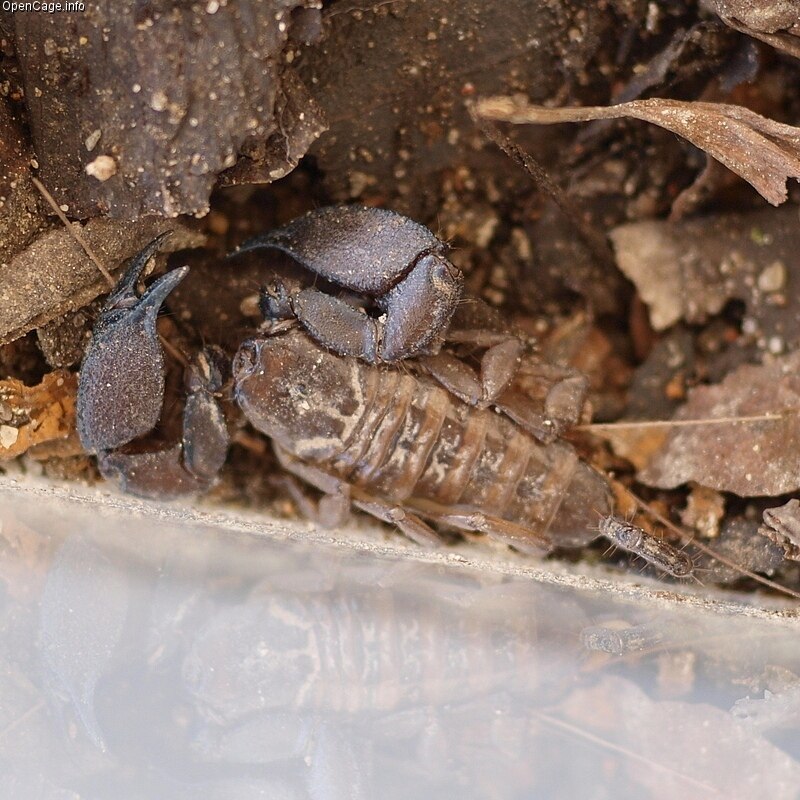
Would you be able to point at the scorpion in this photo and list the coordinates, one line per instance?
(364, 397)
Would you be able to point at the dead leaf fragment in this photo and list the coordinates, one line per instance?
(776, 22)
(690, 269)
(32, 415)
(763, 152)
(741, 435)
(782, 526)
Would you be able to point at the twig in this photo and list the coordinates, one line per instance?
(680, 423)
(593, 239)
(74, 230)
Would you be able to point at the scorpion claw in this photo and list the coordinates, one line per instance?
(383, 255)
(364, 249)
(121, 384)
(124, 293)
(189, 466)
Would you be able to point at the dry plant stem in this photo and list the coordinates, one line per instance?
(678, 423)
(687, 538)
(75, 231)
(762, 151)
(624, 751)
(593, 239)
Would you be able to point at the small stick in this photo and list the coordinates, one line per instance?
(593, 239)
(75, 231)
(679, 423)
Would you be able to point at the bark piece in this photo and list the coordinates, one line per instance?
(392, 79)
(299, 121)
(170, 91)
(54, 275)
(782, 526)
(751, 443)
(690, 269)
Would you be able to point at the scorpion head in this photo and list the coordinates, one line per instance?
(299, 394)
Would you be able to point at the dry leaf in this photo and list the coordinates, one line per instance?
(690, 269)
(776, 22)
(782, 526)
(753, 447)
(633, 441)
(674, 748)
(763, 152)
(30, 415)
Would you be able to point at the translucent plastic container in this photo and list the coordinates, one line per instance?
(154, 652)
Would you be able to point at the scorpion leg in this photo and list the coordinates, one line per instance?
(409, 524)
(522, 538)
(498, 367)
(205, 432)
(544, 420)
(121, 384)
(333, 508)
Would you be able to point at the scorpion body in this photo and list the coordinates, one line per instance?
(367, 404)
(403, 448)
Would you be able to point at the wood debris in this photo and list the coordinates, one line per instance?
(32, 415)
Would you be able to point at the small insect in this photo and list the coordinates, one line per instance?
(633, 539)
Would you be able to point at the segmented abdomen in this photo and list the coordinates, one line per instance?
(405, 439)
(416, 442)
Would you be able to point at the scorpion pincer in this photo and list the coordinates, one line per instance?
(417, 446)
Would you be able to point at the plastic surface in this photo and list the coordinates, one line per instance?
(144, 657)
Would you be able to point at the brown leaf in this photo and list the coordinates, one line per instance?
(688, 270)
(776, 22)
(30, 415)
(763, 152)
(740, 436)
(782, 526)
